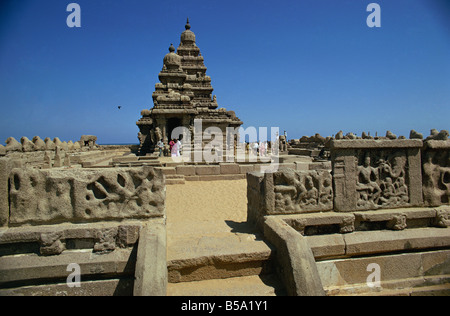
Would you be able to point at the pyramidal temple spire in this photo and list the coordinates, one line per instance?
(183, 95)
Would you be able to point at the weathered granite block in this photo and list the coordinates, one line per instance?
(374, 174)
(186, 170)
(207, 170)
(229, 168)
(436, 172)
(255, 197)
(4, 204)
(288, 192)
(300, 191)
(246, 168)
(6, 165)
(84, 195)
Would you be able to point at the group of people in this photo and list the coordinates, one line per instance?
(258, 148)
(175, 147)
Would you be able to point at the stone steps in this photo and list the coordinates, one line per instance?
(421, 273)
(103, 159)
(175, 179)
(253, 285)
(221, 264)
(217, 257)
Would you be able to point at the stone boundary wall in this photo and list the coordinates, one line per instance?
(109, 222)
(412, 260)
(387, 197)
(114, 258)
(51, 196)
(37, 144)
(366, 175)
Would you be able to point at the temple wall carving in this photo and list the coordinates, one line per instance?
(436, 172)
(85, 195)
(287, 191)
(366, 175)
(370, 174)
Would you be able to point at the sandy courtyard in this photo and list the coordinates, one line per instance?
(199, 208)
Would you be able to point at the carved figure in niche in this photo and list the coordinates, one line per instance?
(60, 195)
(311, 195)
(158, 133)
(326, 194)
(436, 177)
(191, 131)
(383, 185)
(285, 190)
(367, 185)
(153, 137)
(395, 167)
(388, 196)
(283, 143)
(430, 180)
(296, 191)
(402, 191)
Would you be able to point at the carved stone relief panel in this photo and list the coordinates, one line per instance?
(374, 174)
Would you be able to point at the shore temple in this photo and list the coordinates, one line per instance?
(184, 94)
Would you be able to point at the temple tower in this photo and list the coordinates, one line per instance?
(183, 95)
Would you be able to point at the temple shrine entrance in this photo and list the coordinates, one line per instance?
(173, 123)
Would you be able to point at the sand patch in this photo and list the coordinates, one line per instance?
(200, 208)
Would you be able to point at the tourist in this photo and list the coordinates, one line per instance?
(174, 149)
(255, 148)
(171, 143)
(262, 149)
(160, 146)
(178, 143)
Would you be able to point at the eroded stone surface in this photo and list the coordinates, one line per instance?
(436, 172)
(42, 196)
(370, 174)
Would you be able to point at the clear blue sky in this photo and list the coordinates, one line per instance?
(306, 66)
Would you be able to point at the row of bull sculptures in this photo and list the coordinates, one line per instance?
(37, 144)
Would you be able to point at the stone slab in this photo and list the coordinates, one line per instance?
(302, 166)
(85, 195)
(295, 259)
(28, 268)
(437, 144)
(397, 271)
(186, 170)
(168, 170)
(151, 262)
(107, 288)
(374, 242)
(327, 246)
(377, 144)
(4, 202)
(207, 170)
(244, 169)
(299, 222)
(217, 256)
(53, 240)
(229, 169)
(253, 285)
